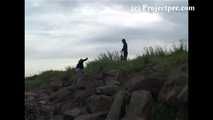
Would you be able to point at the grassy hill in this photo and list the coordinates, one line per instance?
(155, 62)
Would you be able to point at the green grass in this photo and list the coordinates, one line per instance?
(42, 80)
(158, 57)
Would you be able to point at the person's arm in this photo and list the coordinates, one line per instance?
(124, 47)
(85, 59)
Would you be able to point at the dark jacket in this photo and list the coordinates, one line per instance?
(80, 64)
(125, 49)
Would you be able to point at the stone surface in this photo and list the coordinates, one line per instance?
(173, 91)
(148, 84)
(107, 90)
(112, 82)
(98, 103)
(183, 95)
(59, 95)
(93, 116)
(139, 107)
(71, 114)
(55, 85)
(116, 108)
(58, 117)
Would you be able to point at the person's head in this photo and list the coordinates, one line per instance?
(123, 40)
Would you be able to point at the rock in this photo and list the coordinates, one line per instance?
(148, 84)
(67, 83)
(117, 106)
(107, 90)
(173, 91)
(98, 103)
(42, 94)
(175, 86)
(57, 108)
(68, 105)
(139, 107)
(33, 96)
(57, 117)
(111, 82)
(134, 80)
(100, 82)
(62, 93)
(46, 112)
(31, 111)
(81, 96)
(110, 77)
(30, 94)
(183, 95)
(29, 98)
(93, 116)
(37, 111)
(112, 73)
(55, 85)
(71, 114)
(88, 83)
(42, 102)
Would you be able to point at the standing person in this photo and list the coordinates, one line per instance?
(80, 69)
(80, 65)
(124, 51)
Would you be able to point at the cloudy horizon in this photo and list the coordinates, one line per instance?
(59, 32)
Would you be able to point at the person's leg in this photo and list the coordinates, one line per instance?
(80, 76)
(125, 56)
(122, 58)
(77, 71)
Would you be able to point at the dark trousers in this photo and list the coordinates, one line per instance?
(124, 56)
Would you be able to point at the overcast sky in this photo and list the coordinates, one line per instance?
(59, 32)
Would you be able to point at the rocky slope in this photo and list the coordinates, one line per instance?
(112, 95)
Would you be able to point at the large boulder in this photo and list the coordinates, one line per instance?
(112, 73)
(153, 85)
(107, 89)
(132, 84)
(112, 82)
(81, 96)
(57, 117)
(73, 98)
(117, 108)
(86, 82)
(59, 95)
(98, 103)
(174, 91)
(183, 95)
(31, 111)
(139, 107)
(93, 116)
(37, 111)
(29, 96)
(43, 93)
(109, 77)
(71, 114)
